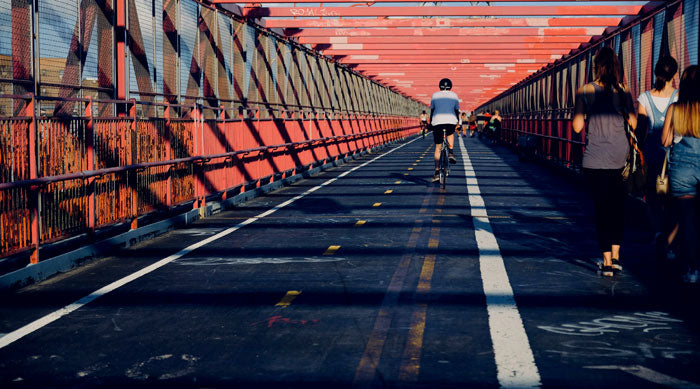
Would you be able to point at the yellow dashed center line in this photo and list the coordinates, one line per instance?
(388, 191)
(410, 364)
(331, 250)
(287, 299)
(410, 168)
(376, 204)
(360, 223)
(426, 274)
(398, 182)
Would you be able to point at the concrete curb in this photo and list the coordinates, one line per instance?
(70, 260)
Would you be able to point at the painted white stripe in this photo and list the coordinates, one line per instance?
(19, 333)
(650, 375)
(515, 362)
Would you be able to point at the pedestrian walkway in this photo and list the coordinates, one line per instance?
(367, 275)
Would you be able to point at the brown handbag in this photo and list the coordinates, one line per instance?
(662, 179)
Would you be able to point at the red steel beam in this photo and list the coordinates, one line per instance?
(439, 51)
(441, 39)
(534, 10)
(445, 22)
(367, 2)
(453, 46)
(484, 56)
(460, 31)
(433, 61)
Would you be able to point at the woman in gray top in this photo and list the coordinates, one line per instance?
(605, 104)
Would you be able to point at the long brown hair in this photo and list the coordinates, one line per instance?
(607, 68)
(686, 112)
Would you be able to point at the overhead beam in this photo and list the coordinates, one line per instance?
(441, 39)
(473, 31)
(534, 10)
(440, 51)
(445, 22)
(453, 46)
(479, 58)
(367, 2)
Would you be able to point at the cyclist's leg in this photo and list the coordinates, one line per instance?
(437, 138)
(451, 142)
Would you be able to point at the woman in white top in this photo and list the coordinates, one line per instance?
(653, 105)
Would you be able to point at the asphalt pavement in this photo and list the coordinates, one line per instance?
(369, 275)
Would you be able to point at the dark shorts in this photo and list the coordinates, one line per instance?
(437, 131)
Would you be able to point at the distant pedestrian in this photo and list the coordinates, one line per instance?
(653, 105)
(472, 124)
(494, 125)
(463, 123)
(682, 132)
(605, 104)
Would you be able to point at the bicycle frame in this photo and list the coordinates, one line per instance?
(443, 162)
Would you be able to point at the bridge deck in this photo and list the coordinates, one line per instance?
(367, 275)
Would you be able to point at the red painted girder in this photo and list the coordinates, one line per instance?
(441, 39)
(432, 60)
(437, 51)
(534, 10)
(440, 67)
(453, 46)
(445, 22)
(366, 1)
(480, 57)
(464, 31)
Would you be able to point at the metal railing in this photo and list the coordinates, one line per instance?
(63, 176)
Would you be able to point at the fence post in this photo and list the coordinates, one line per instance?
(168, 156)
(34, 191)
(133, 182)
(197, 136)
(221, 125)
(90, 143)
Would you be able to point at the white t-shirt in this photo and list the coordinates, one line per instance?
(444, 104)
(661, 103)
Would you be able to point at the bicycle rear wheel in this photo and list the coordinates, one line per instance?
(443, 168)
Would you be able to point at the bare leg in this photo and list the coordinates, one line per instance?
(615, 251)
(438, 149)
(607, 258)
(450, 141)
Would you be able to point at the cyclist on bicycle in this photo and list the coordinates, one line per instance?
(423, 123)
(444, 115)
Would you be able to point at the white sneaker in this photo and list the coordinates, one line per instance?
(691, 277)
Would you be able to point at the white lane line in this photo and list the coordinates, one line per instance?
(19, 333)
(515, 362)
(650, 375)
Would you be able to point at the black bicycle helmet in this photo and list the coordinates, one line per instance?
(445, 84)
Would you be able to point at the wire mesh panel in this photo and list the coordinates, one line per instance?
(280, 72)
(190, 72)
(171, 63)
(209, 45)
(6, 35)
(251, 91)
(295, 81)
(142, 36)
(263, 74)
(224, 57)
(239, 60)
(59, 52)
